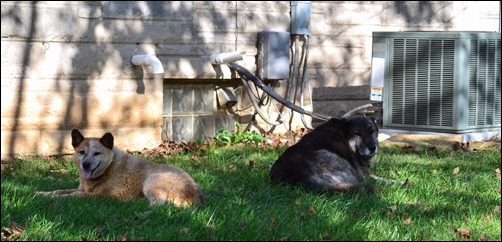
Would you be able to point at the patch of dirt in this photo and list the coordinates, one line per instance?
(405, 141)
(439, 141)
(168, 148)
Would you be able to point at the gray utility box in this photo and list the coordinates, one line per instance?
(439, 81)
(273, 55)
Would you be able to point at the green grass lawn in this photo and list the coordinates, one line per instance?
(452, 195)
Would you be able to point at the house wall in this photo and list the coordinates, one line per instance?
(67, 64)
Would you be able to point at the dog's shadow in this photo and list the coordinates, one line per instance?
(328, 216)
(244, 187)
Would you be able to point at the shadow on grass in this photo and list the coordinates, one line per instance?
(240, 204)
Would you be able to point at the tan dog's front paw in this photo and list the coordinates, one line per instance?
(60, 193)
(43, 193)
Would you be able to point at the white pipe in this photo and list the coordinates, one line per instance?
(226, 57)
(149, 60)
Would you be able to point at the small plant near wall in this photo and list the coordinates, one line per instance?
(227, 137)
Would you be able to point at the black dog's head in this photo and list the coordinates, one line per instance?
(361, 134)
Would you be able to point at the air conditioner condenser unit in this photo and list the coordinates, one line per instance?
(439, 81)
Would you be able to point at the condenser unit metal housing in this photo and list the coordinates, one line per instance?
(440, 81)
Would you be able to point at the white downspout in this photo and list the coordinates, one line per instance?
(149, 60)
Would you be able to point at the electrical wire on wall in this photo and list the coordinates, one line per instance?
(300, 59)
(300, 30)
(257, 105)
(244, 73)
(305, 82)
(300, 27)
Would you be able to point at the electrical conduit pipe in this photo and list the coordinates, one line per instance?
(149, 60)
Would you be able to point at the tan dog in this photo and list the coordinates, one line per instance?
(107, 171)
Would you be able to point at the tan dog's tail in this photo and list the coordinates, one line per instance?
(179, 189)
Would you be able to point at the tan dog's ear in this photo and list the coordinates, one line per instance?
(107, 140)
(76, 138)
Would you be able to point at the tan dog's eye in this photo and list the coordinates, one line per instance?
(82, 152)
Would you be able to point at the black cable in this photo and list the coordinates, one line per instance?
(258, 83)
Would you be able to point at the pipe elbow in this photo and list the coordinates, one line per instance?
(226, 57)
(149, 60)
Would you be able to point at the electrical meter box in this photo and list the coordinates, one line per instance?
(273, 55)
(300, 17)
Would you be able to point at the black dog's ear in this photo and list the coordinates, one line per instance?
(338, 120)
(342, 124)
(373, 120)
(76, 138)
(107, 140)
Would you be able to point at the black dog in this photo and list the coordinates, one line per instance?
(334, 157)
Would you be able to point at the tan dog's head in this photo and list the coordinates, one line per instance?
(92, 155)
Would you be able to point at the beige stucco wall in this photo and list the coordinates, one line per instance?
(68, 65)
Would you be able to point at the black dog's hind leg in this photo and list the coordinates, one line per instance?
(390, 181)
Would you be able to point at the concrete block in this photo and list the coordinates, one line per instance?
(54, 22)
(342, 93)
(164, 10)
(337, 108)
